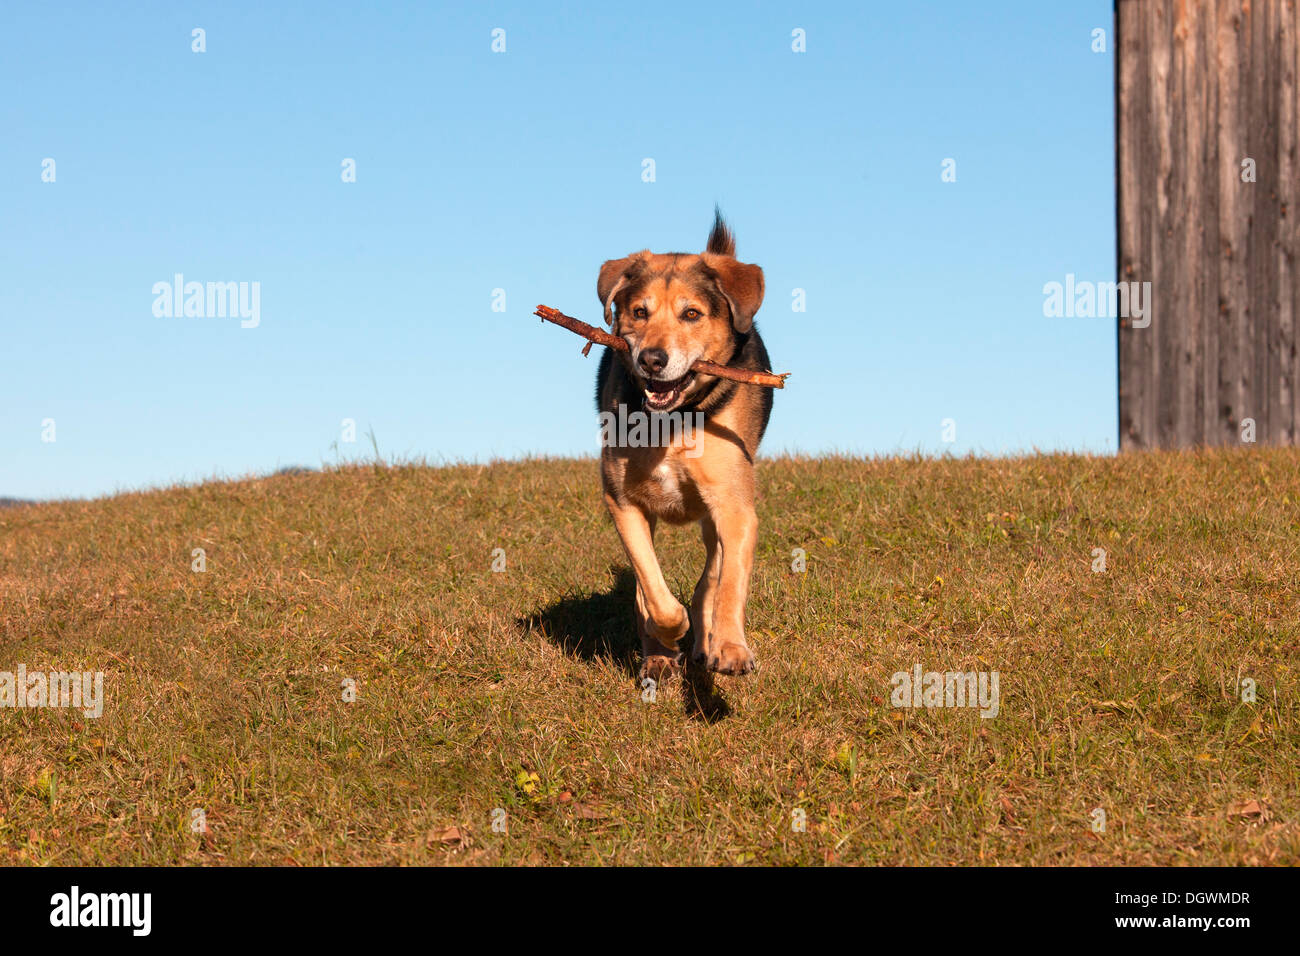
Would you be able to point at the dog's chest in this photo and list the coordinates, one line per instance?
(665, 475)
(665, 487)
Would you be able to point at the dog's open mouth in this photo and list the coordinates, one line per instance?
(659, 395)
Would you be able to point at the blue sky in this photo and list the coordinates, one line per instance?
(522, 171)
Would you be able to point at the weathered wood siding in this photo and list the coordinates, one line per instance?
(1201, 86)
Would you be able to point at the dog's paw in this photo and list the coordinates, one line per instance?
(732, 658)
(660, 667)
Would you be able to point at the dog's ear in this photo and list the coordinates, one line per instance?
(742, 286)
(615, 274)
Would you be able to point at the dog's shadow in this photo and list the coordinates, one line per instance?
(602, 627)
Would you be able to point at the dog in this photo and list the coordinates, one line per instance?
(672, 309)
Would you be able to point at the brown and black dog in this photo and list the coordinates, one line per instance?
(671, 310)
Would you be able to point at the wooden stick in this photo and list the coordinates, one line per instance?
(597, 336)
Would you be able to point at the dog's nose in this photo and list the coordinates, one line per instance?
(652, 361)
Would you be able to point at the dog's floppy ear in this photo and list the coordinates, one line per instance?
(614, 274)
(742, 286)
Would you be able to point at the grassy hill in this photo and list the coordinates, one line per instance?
(516, 690)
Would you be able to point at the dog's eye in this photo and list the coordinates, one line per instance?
(690, 315)
(640, 312)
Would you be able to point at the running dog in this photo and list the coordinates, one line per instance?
(672, 309)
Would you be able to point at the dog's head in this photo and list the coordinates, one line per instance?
(675, 308)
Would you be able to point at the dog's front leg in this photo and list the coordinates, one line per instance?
(661, 619)
(725, 648)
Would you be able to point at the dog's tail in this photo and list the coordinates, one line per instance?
(722, 241)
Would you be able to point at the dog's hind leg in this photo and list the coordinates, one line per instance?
(705, 593)
(728, 652)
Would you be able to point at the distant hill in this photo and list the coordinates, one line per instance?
(286, 470)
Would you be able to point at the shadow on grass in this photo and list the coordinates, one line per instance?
(602, 627)
(701, 696)
(595, 626)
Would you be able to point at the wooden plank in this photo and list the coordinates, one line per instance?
(1234, 224)
(1259, 241)
(1288, 165)
(1281, 105)
(1165, 259)
(1184, 333)
(1207, 372)
(1132, 255)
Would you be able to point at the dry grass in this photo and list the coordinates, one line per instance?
(1119, 689)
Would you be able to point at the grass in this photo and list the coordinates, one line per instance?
(479, 691)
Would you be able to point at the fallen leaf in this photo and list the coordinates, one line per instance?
(1245, 808)
(589, 811)
(452, 836)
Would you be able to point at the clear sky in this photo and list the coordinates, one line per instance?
(522, 171)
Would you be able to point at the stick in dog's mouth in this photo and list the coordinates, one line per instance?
(595, 336)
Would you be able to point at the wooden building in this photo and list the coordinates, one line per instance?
(1207, 182)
